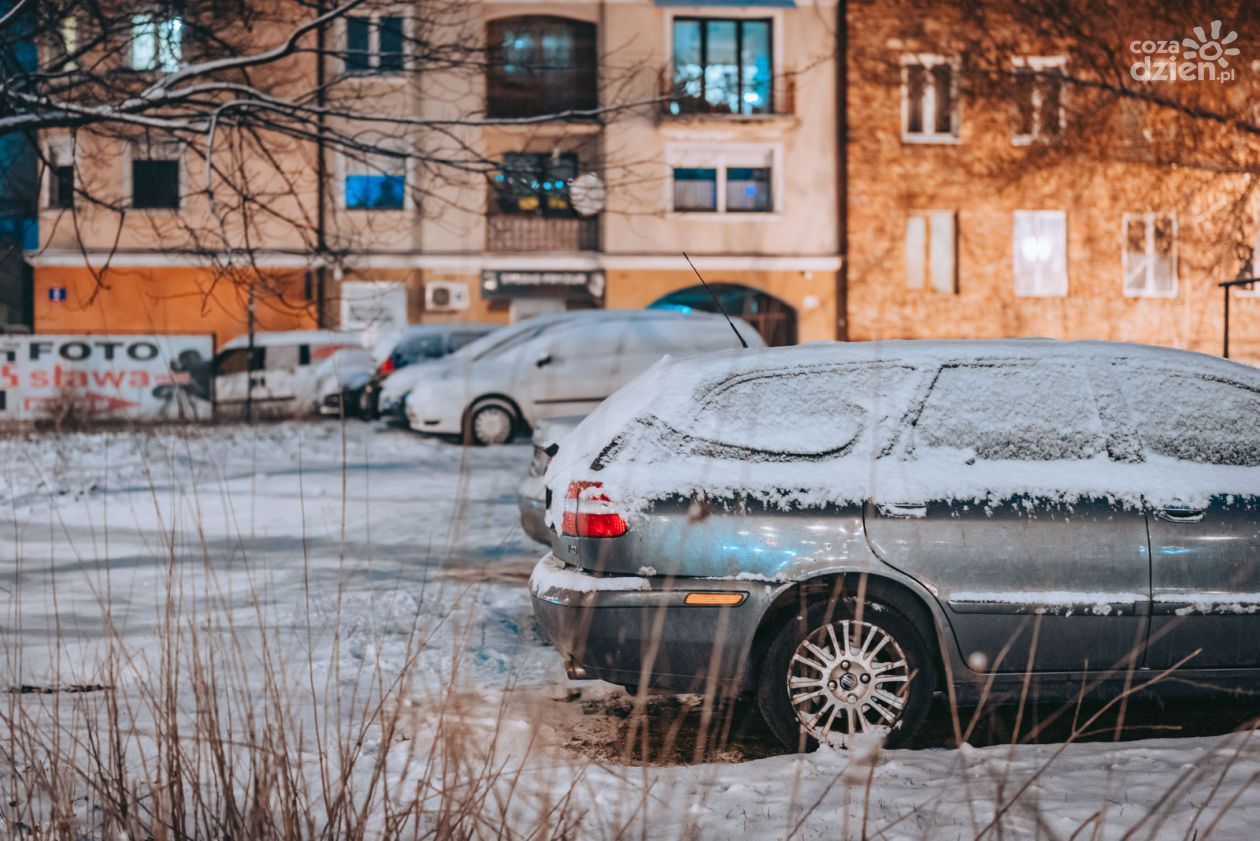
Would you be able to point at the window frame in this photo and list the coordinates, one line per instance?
(59, 152)
(1040, 291)
(928, 61)
(154, 152)
(169, 63)
(1037, 66)
(1148, 219)
(721, 157)
(498, 98)
(373, 70)
(343, 172)
(754, 15)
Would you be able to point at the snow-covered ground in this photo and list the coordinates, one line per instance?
(355, 595)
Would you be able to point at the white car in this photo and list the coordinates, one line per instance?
(556, 365)
(278, 378)
(346, 371)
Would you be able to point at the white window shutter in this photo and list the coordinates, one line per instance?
(942, 251)
(916, 250)
(1053, 229)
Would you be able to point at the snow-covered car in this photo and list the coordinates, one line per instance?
(556, 365)
(846, 529)
(531, 493)
(418, 343)
(340, 378)
(277, 377)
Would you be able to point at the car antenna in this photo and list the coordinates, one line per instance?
(716, 302)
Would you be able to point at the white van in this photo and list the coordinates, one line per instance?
(555, 365)
(279, 379)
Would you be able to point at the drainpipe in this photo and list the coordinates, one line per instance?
(842, 168)
(321, 175)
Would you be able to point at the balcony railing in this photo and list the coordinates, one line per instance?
(527, 232)
(676, 102)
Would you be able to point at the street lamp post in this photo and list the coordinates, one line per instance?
(1226, 285)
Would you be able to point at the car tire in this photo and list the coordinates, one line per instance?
(869, 659)
(489, 423)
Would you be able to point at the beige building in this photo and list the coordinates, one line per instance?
(709, 130)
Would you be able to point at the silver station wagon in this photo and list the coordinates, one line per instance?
(845, 530)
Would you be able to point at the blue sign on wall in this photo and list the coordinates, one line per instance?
(57, 294)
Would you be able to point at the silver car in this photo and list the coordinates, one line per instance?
(844, 531)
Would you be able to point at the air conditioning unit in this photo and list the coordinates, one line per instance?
(445, 296)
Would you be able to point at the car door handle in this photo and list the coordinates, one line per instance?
(902, 510)
(1180, 514)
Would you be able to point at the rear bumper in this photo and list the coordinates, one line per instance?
(636, 631)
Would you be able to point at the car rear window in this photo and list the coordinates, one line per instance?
(802, 412)
(1195, 418)
(1020, 412)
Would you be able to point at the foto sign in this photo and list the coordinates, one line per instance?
(134, 377)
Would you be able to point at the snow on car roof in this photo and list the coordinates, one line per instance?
(753, 423)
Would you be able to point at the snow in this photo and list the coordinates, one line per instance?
(832, 423)
(1052, 602)
(551, 575)
(339, 545)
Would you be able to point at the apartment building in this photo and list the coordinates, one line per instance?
(706, 129)
(492, 161)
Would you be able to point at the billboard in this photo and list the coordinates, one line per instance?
(106, 377)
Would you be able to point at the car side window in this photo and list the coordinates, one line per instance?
(281, 357)
(459, 339)
(1195, 417)
(809, 412)
(1041, 411)
(235, 361)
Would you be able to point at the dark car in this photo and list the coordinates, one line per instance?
(844, 530)
(417, 343)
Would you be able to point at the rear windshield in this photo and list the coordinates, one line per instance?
(801, 413)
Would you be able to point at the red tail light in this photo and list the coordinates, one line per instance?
(387, 367)
(588, 512)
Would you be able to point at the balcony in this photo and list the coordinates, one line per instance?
(677, 103)
(507, 232)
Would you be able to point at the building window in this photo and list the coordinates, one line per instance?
(156, 43)
(722, 66)
(932, 250)
(536, 183)
(695, 190)
(374, 44)
(376, 181)
(60, 182)
(155, 180)
(929, 99)
(730, 180)
(540, 65)
(1040, 253)
(1039, 108)
(1150, 255)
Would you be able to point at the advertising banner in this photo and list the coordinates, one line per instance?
(105, 377)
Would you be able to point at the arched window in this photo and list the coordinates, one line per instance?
(540, 65)
(772, 317)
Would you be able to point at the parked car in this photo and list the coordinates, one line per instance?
(842, 530)
(278, 378)
(418, 343)
(531, 493)
(340, 379)
(558, 365)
